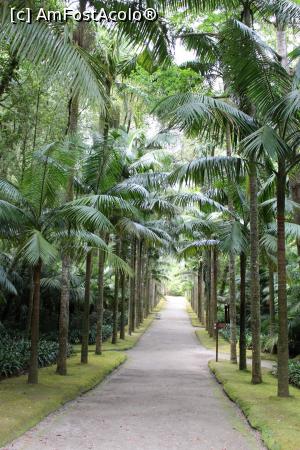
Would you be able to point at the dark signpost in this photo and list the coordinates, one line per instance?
(218, 326)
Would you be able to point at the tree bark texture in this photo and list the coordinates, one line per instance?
(283, 345)
(35, 326)
(255, 285)
(242, 342)
(64, 316)
(86, 310)
(232, 308)
(116, 300)
(99, 302)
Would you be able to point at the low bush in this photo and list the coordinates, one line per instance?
(266, 341)
(15, 354)
(75, 334)
(294, 372)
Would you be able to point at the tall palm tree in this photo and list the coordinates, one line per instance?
(27, 216)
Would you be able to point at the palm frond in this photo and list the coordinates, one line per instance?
(5, 283)
(37, 248)
(153, 35)
(200, 114)
(193, 248)
(186, 198)
(118, 264)
(233, 237)
(253, 67)
(131, 228)
(11, 192)
(81, 215)
(41, 44)
(265, 141)
(200, 170)
(285, 11)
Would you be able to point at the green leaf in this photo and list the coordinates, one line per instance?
(37, 248)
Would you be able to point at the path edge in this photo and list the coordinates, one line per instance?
(85, 389)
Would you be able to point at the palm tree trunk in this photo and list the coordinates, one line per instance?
(35, 325)
(193, 297)
(254, 246)
(86, 310)
(208, 290)
(123, 296)
(61, 368)
(147, 287)
(99, 304)
(283, 345)
(232, 308)
(200, 313)
(122, 306)
(66, 260)
(213, 286)
(155, 295)
(231, 269)
(139, 283)
(132, 305)
(243, 357)
(142, 282)
(254, 285)
(294, 180)
(116, 300)
(224, 280)
(282, 43)
(202, 319)
(136, 283)
(30, 305)
(73, 114)
(271, 300)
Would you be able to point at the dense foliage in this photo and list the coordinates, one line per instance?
(144, 156)
(15, 353)
(294, 373)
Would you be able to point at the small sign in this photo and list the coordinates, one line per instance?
(219, 325)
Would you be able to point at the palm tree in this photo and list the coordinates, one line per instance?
(27, 216)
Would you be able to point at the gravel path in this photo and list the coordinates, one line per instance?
(162, 398)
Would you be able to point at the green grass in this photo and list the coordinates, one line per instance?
(22, 405)
(276, 418)
(210, 343)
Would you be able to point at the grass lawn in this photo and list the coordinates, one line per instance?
(277, 419)
(22, 405)
(210, 343)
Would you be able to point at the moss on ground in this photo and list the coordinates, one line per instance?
(210, 343)
(22, 405)
(276, 418)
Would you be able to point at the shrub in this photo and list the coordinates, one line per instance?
(15, 354)
(265, 339)
(75, 334)
(294, 372)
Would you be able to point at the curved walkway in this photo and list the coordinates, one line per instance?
(162, 398)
